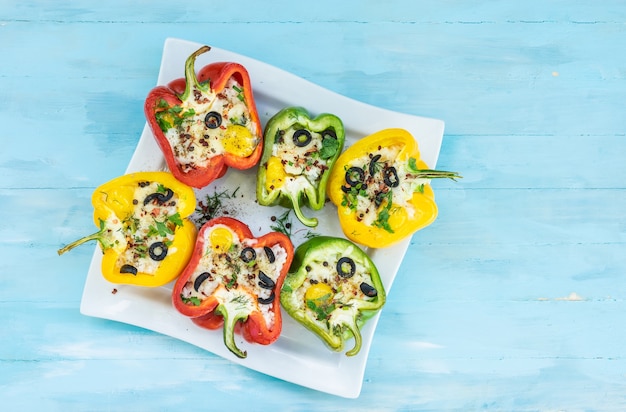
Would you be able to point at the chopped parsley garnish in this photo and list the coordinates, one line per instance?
(175, 219)
(241, 121)
(382, 219)
(132, 223)
(171, 116)
(412, 165)
(239, 91)
(350, 199)
(322, 306)
(231, 282)
(329, 147)
(159, 228)
(191, 300)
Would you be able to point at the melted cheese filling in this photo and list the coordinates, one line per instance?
(146, 225)
(322, 268)
(226, 270)
(193, 142)
(366, 209)
(303, 166)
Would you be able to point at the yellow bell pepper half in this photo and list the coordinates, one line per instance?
(382, 189)
(145, 234)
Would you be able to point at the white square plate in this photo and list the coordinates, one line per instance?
(297, 356)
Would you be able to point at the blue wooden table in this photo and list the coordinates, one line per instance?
(514, 299)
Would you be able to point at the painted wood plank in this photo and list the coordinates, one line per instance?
(435, 349)
(460, 73)
(512, 300)
(447, 328)
(284, 11)
(431, 359)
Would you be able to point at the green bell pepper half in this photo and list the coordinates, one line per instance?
(298, 155)
(332, 289)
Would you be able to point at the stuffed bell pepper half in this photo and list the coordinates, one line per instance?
(332, 289)
(382, 189)
(233, 281)
(143, 231)
(298, 155)
(207, 122)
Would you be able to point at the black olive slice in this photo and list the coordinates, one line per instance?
(372, 167)
(301, 137)
(157, 251)
(159, 197)
(269, 300)
(213, 120)
(200, 280)
(270, 254)
(341, 267)
(128, 269)
(355, 175)
(368, 290)
(265, 281)
(247, 255)
(390, 177)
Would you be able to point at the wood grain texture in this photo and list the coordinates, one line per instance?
(513, 300)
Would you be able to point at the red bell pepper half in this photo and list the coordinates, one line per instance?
(207, 122)
(234, 280)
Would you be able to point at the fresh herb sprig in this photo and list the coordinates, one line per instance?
(212, 206)
(282, 224)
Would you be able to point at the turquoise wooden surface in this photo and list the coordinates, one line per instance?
(512, 300)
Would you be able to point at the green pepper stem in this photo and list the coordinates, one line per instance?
(356, 332)
(307, 221)
(430, 173)
(94, 236)
(234, 306)
(191, 80)
(436, 174)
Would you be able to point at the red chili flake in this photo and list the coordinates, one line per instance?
(114, 291)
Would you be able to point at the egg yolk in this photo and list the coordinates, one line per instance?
(238, 140)
(275, 175)
(221, 239)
